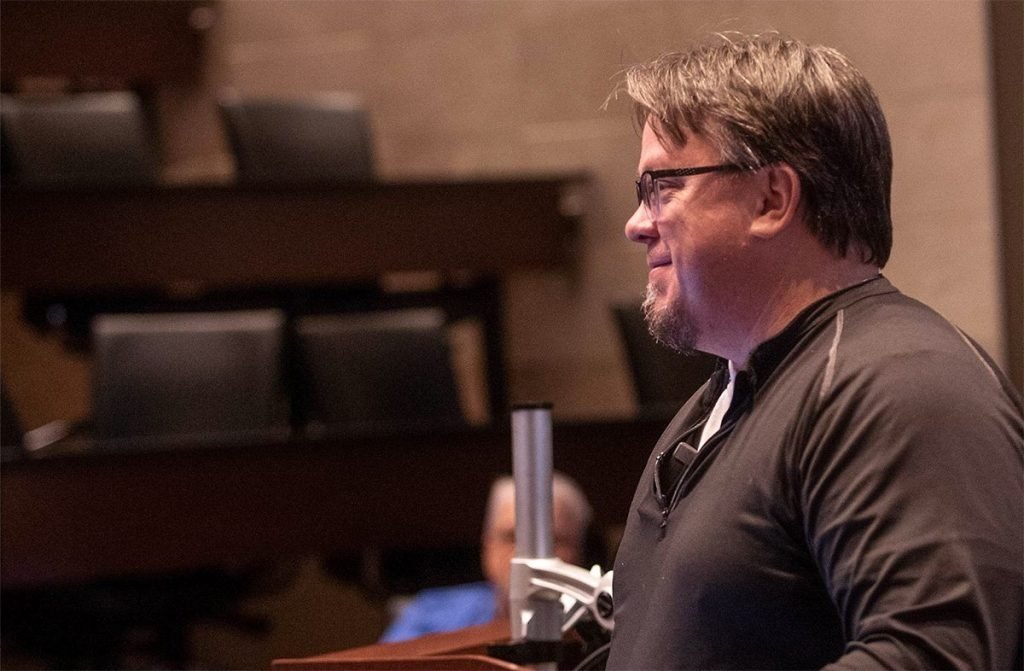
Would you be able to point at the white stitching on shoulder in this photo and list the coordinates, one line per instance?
(830, 369)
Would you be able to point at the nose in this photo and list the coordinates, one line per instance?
(640, 228)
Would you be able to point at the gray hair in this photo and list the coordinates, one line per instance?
(765, 99)
(564, 489)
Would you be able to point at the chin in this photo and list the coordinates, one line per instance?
(669, 321)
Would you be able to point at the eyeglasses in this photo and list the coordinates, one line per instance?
(647, 191)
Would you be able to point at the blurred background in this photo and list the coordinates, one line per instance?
(484, 182)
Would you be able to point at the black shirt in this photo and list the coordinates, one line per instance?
(862, 504)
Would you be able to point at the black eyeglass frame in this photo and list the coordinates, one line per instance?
(653, 206)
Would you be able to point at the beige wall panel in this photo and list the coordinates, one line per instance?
(581, 385)
(946, 238)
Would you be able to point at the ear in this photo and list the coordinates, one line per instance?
(780, 200)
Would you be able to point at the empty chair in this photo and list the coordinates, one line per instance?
(189, 376)
(386, 370)
(662, 378)
(321, 139)
(179, 377)
(87, 139)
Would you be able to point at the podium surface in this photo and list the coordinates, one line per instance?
(461, 650)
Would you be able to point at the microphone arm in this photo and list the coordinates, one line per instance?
(577, 590)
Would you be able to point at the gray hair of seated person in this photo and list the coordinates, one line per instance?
(564, 489)
(766, 99)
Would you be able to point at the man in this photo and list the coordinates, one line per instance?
(846, 490)
(450, 608)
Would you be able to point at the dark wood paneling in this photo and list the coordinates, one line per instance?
(124, 43)
(76, 517)
(1007, 47)
(95, 240)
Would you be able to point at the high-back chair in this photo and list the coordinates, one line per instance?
(662, 378)
(188, 377)
(320, 139)
(385, 370)
(83, 139)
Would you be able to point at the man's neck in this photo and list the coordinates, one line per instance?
(784, 299)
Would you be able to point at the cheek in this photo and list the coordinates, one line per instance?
(699, 256)
(678, 276)
(682, 247)
(496, 561)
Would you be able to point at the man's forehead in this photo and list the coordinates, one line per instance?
(659, 150)
(505, 517)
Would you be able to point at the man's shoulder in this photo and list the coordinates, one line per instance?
(902, 334)
(896, 320)
(898, 349)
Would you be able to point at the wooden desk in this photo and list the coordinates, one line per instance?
(132, 43)
(83, 516)
(93, 240)
(461, 650)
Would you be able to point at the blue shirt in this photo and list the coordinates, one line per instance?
(444, 609)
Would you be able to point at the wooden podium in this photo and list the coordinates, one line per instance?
(462, 650)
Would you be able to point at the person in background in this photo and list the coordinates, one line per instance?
(847, 490)
(450, 608)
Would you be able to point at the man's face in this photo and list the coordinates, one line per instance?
(499, 544)
(695, 248)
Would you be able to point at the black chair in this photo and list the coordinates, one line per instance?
(381, 372)
(317, 140)
(167, 378)
(388, 370)
(164, 380)
(83, 139)
(662, 378)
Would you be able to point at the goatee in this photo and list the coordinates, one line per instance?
(671, 324)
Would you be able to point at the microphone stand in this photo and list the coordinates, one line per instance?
(547, 596)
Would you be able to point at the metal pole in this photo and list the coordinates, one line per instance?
(535, 616)
(531, 468)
